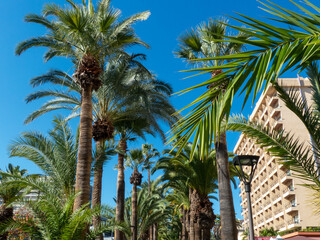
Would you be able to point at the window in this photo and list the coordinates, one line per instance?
(291, 188)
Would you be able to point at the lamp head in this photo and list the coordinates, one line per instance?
(245, 160)
(250, 161)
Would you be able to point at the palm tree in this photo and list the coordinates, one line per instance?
(55, 155)
(285, 146)
(149, 152)
(268, 232)
(88, 36)
(200, 175)
(208, 41)
(152, 106)
(273, 51)
(103, 154)
(51, 218)
(128, 93)
(134, 160)
(179, 199)
(151, 208)
(9, 194)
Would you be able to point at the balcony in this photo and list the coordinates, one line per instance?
(272, 171)
(276, 198)
(266, 123)
(275, 184)
(275, 112)
(293, 223)
(286, 177)
(281, 226)
(287, 192)
(277, 124)
(291, 208)
(273, 100)
(277, 210)
(269, 218)
(267, 205)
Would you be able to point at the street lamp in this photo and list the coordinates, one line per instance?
(249, 161)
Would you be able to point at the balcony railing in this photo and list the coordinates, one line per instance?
(293, 221)
(269, 215)
(267, 202)
(281, 225)
(277, 211)
(276, 196)
(289, 205)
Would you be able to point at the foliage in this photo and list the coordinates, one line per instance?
(206, 41)
(52, 218)
(152, 208)
(273, 50)
(268, 232)
(10, 194)
(55, 155)
(134, 159)
(194, 172)
(149, 152)
(289, 231)
(80, 29)
(129, 95)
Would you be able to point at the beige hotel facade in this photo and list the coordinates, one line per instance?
(278, 199)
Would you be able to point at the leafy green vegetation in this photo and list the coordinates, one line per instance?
(119, 100)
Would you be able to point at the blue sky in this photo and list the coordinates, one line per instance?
(168, 20)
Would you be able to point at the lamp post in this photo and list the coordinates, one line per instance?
(249, 161)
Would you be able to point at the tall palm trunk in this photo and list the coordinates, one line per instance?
(191, 217)
(85, 149)
(97, 185)
(120, 188)
(188, 223)
(206, 234)
(134, 217)
(197, 231)
(151, 232)
(191, 230)
(149, 180)
(6, 213)
(184, 224)
(87, 75)
(151, 228)
(227, 213)
(135, 179)
(155, 231)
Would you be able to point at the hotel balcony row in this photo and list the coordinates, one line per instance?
(262, 187)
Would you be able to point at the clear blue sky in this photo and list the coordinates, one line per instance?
(169, 19)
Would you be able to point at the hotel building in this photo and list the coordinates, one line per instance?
(278, 199)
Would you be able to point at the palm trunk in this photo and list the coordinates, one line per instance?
(134, 218)
(184, 224)
(97, 186)
(6, 213)
(197, 231)
(206, 234)
(227, 213)
(155, 231)
(120, 188)
(151, 232)
(83, 173)
(149, 180)
(191, 230)
(135, 180)
(188, 223)
(151, 228)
